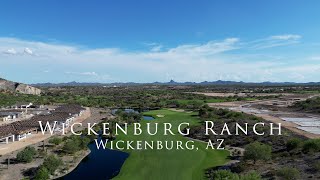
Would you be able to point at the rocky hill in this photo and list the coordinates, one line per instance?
(6, 85)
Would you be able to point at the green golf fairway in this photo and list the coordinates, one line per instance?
(168, 164)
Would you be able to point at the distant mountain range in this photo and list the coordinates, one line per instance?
(172, 82)
(11, 86)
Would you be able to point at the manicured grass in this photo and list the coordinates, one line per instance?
(169, 164)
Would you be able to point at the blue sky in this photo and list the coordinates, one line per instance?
(147, 41)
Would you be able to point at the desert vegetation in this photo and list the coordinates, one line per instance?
(288, 156)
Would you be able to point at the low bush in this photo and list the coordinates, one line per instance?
(293, 144)
(224, 174)
(75, 143)
(228, 175)
(311, 146)
(42, 174)
(288, 173)
(55, 141)
(52, 163)
(316, 166)
(26, 155)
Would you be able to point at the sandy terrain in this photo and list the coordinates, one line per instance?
(176, 110)
(34, 138)
(213, 94)
(257, 108)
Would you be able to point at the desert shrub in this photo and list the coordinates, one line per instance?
(27, 154)
(257, 151)
(75, 143)
(52, 163)
(294, 143)
(252, 175)
(239, 167)
(224, 174)
(42, 174)
(70, 147)
(311, 146)
(55, 141)
(316, 166)
(288, 173)
(84, 141)
(228, 175)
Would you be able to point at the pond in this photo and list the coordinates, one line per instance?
(148, 118)
(99, 164)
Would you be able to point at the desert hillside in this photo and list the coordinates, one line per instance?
(6, 85)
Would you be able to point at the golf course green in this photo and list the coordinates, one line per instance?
(168, 164)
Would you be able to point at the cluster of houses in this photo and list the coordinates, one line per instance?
(9, 115)
(18, 130)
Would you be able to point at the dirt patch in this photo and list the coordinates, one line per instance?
(213, 94)
(271, 116)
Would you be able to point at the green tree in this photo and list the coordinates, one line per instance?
(257, 151)
(70, 147)
(52, 163)
(27, 154)
(42, 174)
(55, 141)
(76, 143)
(84, 141)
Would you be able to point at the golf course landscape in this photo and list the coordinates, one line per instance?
(168, 164)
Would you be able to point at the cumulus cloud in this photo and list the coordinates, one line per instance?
(207, 61)
(10, 51)
(28, 51)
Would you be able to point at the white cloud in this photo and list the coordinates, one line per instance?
(89, 73)
(286, 37)
(28, 51)
(187, 62)
(156, 48)
(10, 51)
(275, 41)
(83, 73)
(212, 47)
